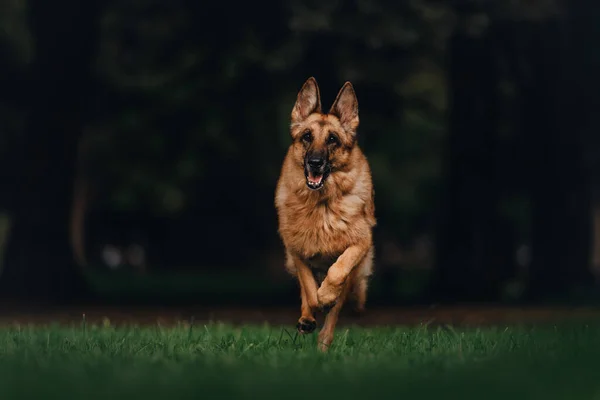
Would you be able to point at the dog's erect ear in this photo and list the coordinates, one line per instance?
(308, 101)
(345, 107)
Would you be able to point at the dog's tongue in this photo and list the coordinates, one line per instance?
(314, 179)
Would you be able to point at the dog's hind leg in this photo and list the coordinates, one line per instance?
(359, 292)
(361, 282)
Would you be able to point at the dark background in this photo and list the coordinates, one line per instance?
(141, 141)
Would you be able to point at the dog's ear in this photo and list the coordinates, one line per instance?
(308, 101)
(345, 107)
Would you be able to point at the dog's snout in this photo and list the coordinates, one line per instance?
(316, 162)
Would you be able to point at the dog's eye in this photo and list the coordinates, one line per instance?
(307, 137)
(332, 139)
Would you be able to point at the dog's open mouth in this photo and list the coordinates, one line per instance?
(315, 180)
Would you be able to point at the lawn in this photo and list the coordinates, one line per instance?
(219, 361)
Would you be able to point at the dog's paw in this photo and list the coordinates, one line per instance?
(306, 325)
(327, 295)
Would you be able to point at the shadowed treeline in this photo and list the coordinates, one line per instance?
(141, 140)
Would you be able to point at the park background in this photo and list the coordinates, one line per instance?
(141, 141)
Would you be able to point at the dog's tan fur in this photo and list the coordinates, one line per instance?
(327, 233)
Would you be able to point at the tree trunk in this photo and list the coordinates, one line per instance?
(561, 218)
(584, 80)
(39, 263)
(465, 253)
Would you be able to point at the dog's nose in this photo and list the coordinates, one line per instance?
(316, 162)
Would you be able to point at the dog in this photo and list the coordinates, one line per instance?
(325, 207)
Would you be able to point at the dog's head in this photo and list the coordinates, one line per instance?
(323, 143)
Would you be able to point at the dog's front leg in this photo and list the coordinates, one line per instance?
(327, 332)
(331, 288)
(308, 291)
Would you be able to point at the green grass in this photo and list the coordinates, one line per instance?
(219, 361)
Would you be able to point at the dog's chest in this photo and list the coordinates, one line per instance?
(324, 228)
(323, 221)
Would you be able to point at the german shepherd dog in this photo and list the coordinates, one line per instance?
(325, 206)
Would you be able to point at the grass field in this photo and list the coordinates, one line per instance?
(219, 361)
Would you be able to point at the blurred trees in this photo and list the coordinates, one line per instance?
(469, 253)
(41, 164)
(561, 218)
(538, 59)
(182, 118)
